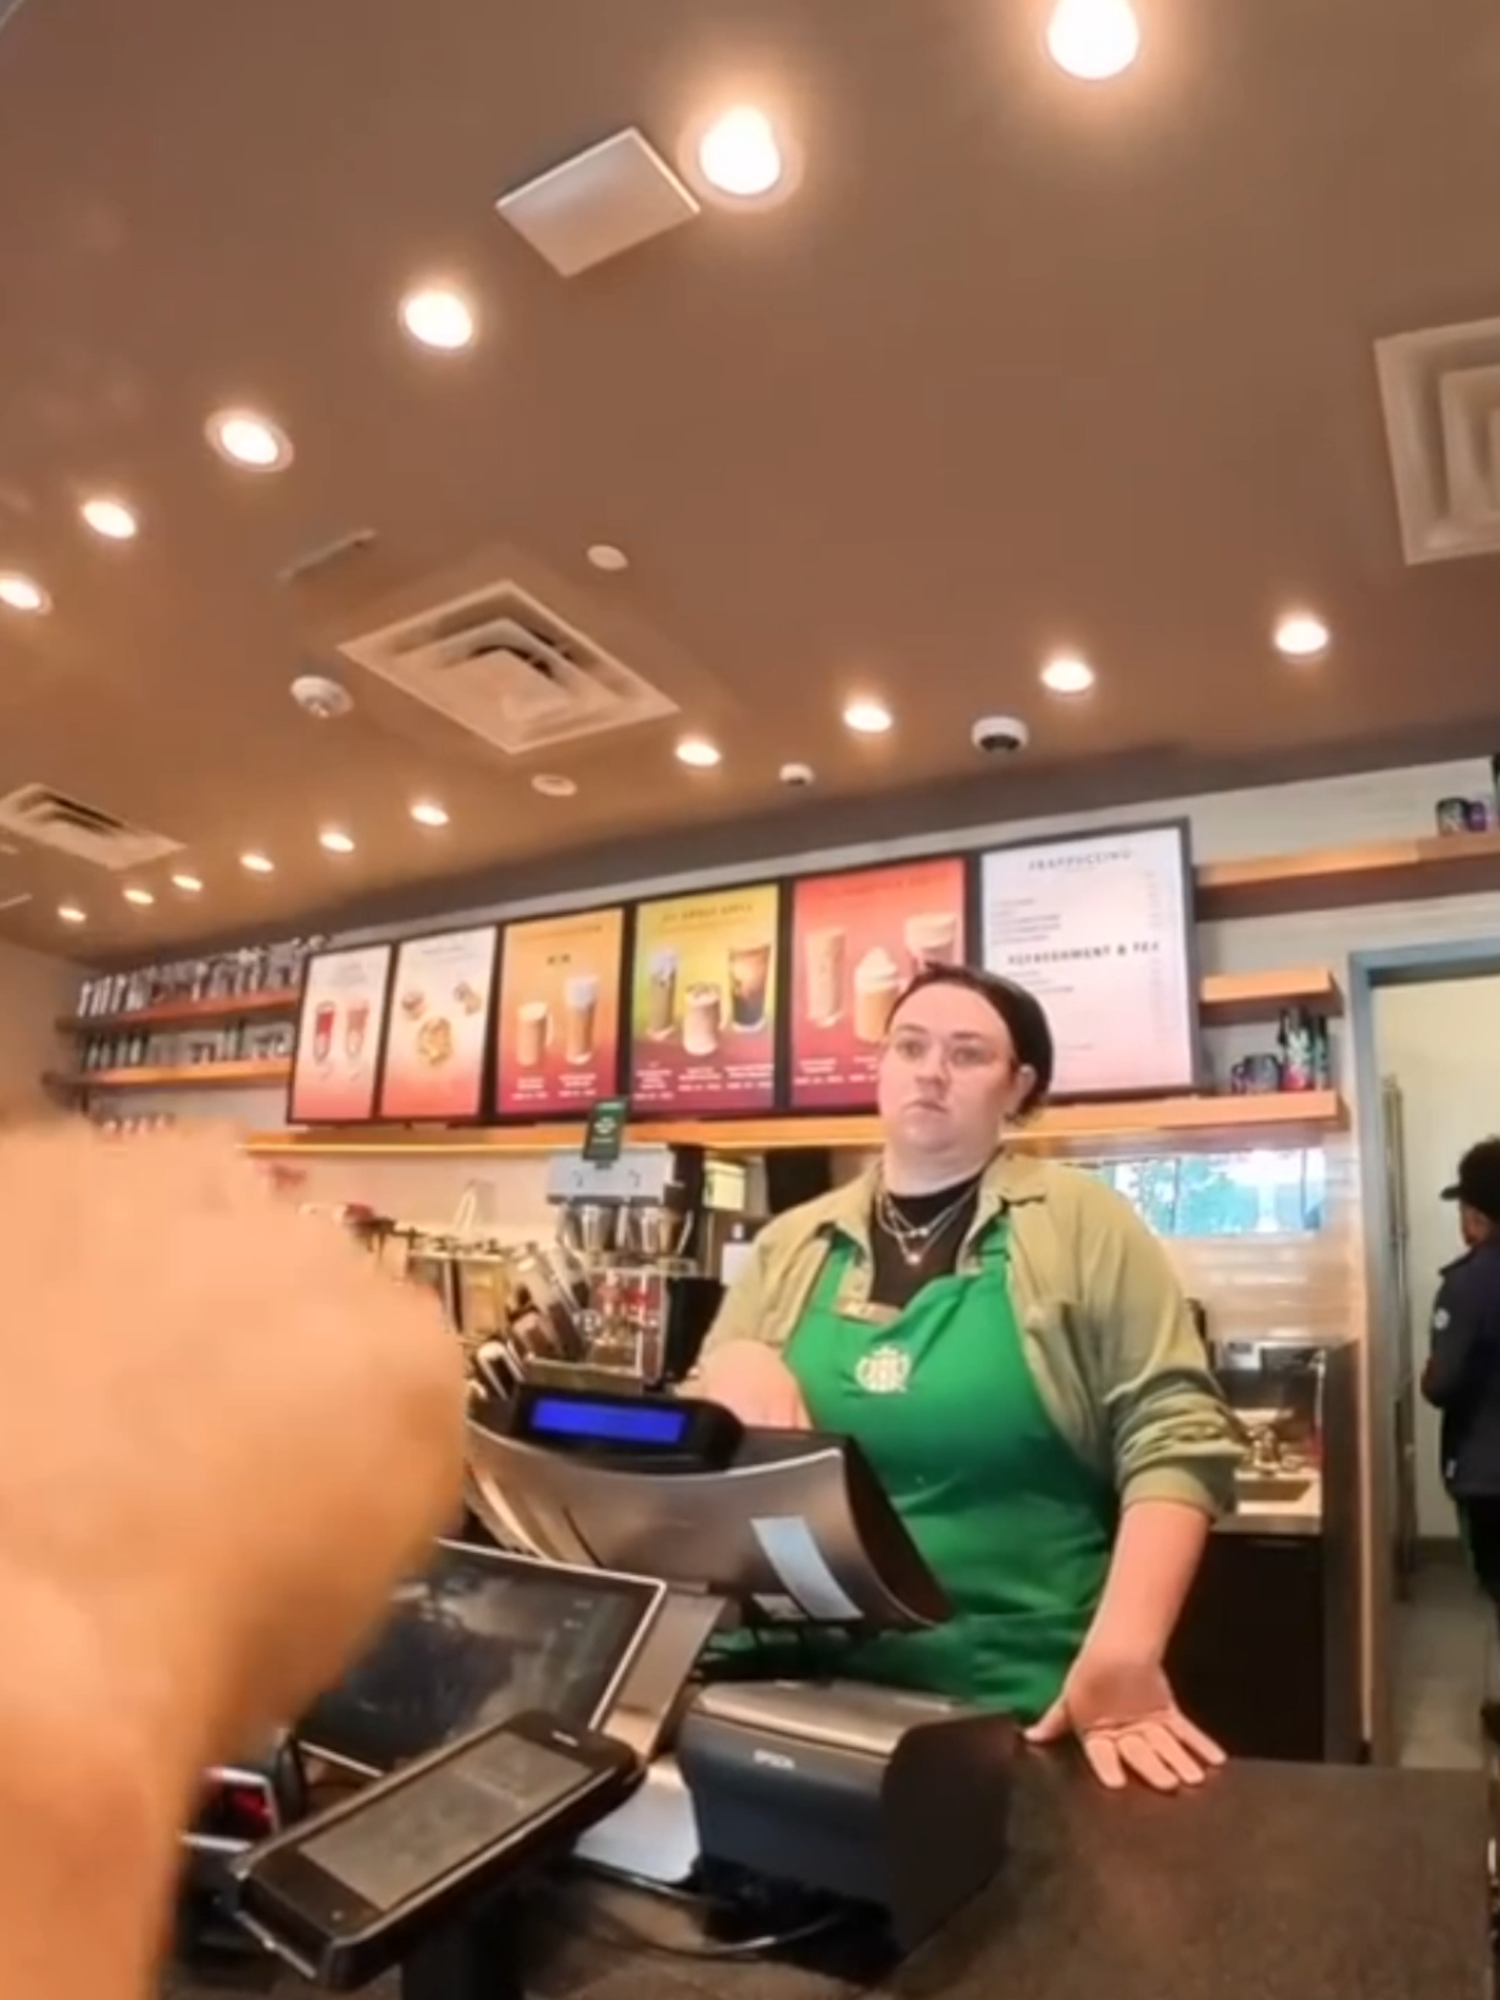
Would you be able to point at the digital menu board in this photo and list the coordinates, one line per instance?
(558, 1025)
(338, 1037)
(436, 1040)
(856, 941)
(1099, 927)
(703, 1002)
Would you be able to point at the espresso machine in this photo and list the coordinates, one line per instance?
(637, 1228)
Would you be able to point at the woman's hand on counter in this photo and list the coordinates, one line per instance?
(755, 1384)
(1124, 1714)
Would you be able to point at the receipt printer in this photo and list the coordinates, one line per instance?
(895, 1800)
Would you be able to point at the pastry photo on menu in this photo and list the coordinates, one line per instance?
(437, 1045)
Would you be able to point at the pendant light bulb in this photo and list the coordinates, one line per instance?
(1093, 39)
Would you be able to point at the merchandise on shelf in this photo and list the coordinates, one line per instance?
(234, 975)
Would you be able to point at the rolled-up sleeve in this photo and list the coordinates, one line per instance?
(1171, 1434)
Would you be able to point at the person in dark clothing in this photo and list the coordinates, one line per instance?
(1462, 1376)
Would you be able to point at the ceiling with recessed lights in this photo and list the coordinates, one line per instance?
(965, 357)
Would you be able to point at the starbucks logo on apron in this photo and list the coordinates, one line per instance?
(884, 1370)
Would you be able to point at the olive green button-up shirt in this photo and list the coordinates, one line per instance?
(1106, 1328)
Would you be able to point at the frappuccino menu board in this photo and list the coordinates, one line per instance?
(439, 1021)
(703, 1002)
(559, 1019)
(856, 941)
(338, 1037)
(1099, 929)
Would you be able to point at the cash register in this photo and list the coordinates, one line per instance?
(653, 1553)
(774, 1545)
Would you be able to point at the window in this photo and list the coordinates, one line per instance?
(1223, 1194)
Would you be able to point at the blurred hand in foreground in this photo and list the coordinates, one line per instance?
(223, 1434)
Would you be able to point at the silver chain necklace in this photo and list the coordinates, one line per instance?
(913, 1240)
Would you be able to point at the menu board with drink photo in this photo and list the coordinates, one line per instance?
(559, 1016)
(338, 1037)
(439, 1020)
(856, 941)
(1100, 928)
(703, 1002)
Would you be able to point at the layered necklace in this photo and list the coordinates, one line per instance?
(913, 1240)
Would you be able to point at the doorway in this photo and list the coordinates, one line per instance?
(1429, 1086)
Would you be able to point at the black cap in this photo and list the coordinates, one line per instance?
(1023, 1014)
(1478, 1183)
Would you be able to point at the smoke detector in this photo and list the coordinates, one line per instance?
(321, 698)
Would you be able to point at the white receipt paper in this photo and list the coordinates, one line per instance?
(802, 1570)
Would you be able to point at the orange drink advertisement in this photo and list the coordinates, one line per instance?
(558, 1027)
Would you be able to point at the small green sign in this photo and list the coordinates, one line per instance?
(605, 1134)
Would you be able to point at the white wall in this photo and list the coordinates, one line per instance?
(34, 992)
(1441, 1042)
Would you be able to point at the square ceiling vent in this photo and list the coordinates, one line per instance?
(1441, 394)
(586, 210)
(500, 664)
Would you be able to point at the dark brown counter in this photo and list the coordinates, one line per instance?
(1322, 1883)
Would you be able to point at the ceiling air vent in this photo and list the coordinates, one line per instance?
(502, 666)
(1441, 393)
(52, 819)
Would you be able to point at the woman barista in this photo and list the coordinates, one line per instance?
(1009, 1345)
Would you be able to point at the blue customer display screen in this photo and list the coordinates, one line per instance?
(583, 1419)
(478, 1638)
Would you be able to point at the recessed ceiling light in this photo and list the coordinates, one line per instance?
(797, 775)
(190, 885)
(23, 593)
(605, 556)
(1093, 39)
(1067, 674)
(698, 752)
(71, 914)
(335, 841)
(427, 812)
(438, 318)
(553, 785)
(868, 718)
(1301, 636)
(739, 154)
(258, 864)
(142, 898)
(110, 518)
(250, 440)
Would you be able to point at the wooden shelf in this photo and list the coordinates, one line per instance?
(1233, 1118)
(1260, 996)
(184, 1013)
(1385, 871)
(183, 1076)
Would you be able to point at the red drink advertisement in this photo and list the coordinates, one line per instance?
(703, 1002)
(856, 941)
(437, 1037)
(559, 1019)
(338, 1037)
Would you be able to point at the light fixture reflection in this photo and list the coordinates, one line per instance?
(1093, 39)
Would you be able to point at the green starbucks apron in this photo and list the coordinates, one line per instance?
(1017, 1528)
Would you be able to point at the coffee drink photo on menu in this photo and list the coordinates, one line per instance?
(559, 1048)
(339, 1036)
(703, 1002)
(857, 939)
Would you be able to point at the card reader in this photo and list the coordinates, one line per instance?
(345, 1895)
